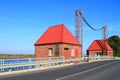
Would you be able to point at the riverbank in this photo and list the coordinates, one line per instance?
(14, 56)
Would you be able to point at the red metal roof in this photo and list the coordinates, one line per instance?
(99, 45)
(57, 34)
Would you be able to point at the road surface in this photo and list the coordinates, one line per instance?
(103, 70)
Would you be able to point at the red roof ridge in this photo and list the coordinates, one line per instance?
(57, 34)
(99, 45)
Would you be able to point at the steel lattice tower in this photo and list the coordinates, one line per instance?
(105, 38)
(105, 33)
(79, 26)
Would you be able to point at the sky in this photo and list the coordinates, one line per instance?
(22, 22)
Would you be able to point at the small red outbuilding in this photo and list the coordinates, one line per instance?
(57, 41)
(99, 48)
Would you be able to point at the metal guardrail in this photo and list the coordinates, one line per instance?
(41, 62)
(117, 58)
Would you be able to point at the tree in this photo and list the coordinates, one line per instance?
(114, 42)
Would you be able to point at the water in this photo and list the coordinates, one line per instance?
(16, 61)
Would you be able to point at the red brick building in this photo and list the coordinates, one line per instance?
(57, 41)
(99, 48)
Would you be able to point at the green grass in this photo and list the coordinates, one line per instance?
(13, 56)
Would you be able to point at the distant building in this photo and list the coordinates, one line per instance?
(57, 41)
(99, 48)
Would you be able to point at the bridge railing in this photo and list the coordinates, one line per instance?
(7, 65)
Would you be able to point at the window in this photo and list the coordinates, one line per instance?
(66, 48)
(98, 54)
(57, 50)
(50, 52)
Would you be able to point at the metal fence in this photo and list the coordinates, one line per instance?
(7, 65)
(16, 64)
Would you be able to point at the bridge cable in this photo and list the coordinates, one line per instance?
(90, 25)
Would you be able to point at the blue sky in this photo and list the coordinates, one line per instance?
(22, 22)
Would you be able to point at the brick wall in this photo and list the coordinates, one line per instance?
(43, 50)
(64, 49)
(110, 53)
(93, 53)
(68, 52)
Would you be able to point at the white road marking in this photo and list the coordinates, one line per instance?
(86, 71)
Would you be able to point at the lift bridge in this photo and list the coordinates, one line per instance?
(8, 65)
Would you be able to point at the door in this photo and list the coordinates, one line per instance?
(66, 53)
(76, 53)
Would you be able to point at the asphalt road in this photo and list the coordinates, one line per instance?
(103, 70)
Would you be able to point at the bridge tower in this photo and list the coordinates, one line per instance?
(79, 26)
(105, 38)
